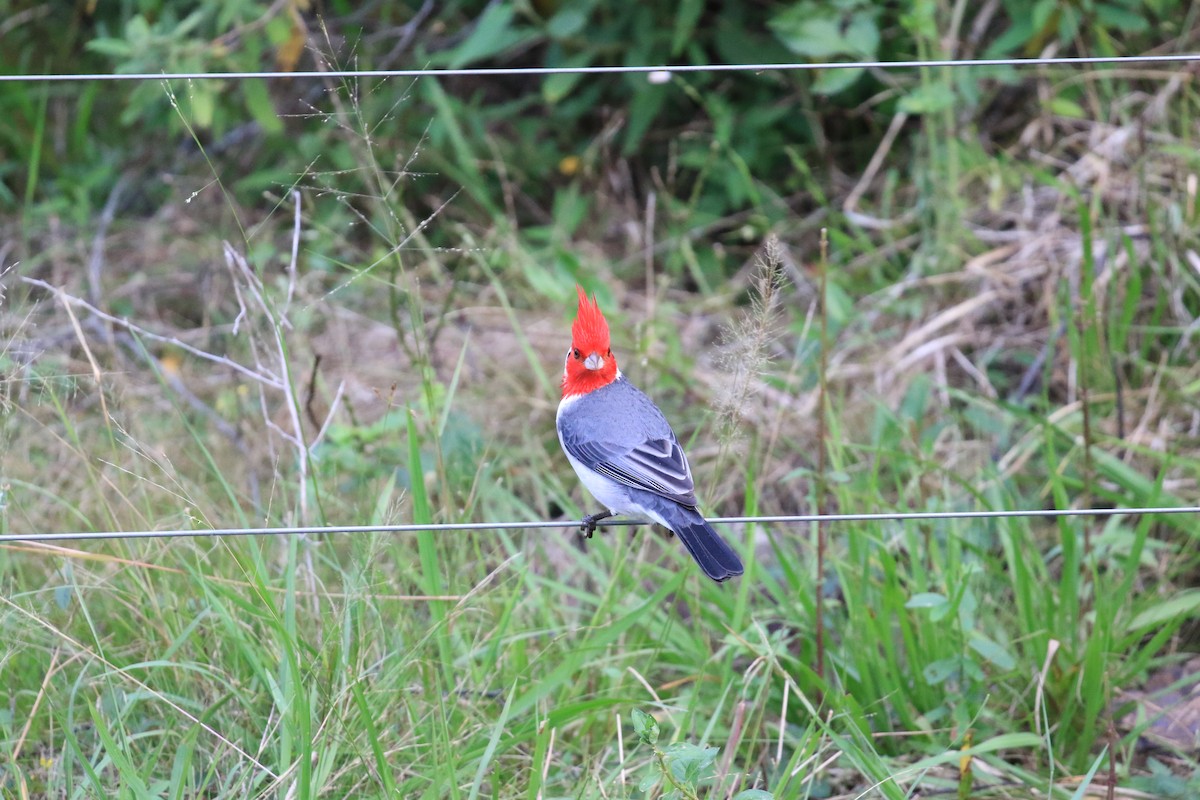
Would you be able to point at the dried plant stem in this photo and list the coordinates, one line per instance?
(746, 344)
(97, 374)
(822, 435)
(265, 380)
(240, 269)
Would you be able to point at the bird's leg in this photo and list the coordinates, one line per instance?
(588, 524)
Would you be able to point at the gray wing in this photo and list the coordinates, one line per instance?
(655, 465)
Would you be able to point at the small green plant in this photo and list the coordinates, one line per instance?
(681, 766)
(1161, 782)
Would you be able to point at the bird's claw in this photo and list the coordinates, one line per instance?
(587, 526)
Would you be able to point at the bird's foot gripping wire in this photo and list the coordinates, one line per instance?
(587, 525)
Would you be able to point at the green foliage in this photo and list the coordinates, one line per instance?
(1163, 783)
(75, 174)
(680, 767)
(166, 36)
(1096, 24)
(354, 453)
(830, 31)
(722, 145)
(645, 726)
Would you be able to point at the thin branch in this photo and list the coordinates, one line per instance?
(146, 334)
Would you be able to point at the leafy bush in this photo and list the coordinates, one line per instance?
(720, 143)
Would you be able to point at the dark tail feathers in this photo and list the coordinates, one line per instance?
(712, 553)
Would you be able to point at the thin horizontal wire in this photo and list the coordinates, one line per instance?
(445, 527)
(1170, 58)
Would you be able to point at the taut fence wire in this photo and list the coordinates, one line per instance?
(451, 527)
(516, 72)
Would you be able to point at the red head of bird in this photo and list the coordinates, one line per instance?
(590, 361)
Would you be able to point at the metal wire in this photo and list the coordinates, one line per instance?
(604, 70)
(446, 527)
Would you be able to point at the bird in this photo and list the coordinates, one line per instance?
(623, 449)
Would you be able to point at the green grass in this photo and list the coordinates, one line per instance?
(973, 658)
(310, 665)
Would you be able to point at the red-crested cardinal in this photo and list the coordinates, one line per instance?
(623, 449)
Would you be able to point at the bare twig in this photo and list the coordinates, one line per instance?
(97, 374)
(337, 400)
(295, 251)
(850, 205)
(736, 730)
(96, 262)
(239, 267)
(71, 300)
(15, 756)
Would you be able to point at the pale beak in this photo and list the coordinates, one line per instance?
(594, 361)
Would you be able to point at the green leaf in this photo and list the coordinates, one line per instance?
(279, 30)
(939, 671)
(685, 24)
(108, 46)
(137, 32)
(1042, 12)
(643, 110)
(188, 24)
(754, 794)
(862, 35)
(202, 95)
(1020, 32)
(489, 752)
(839, 304)
(1183, 604)
(920, 20)
(493, 34)
(126, 771)
(650, 779)
(686, 751)
(1069, 22)
(258, 103)
(557, 86)
(926, 600)
(818, 31)
(1085, 788)
(689, 762)
(1005, 741)
(567, 22)
(967, 607)
(735, 44)
(1113, 16)
(991, 651)
(1063, 107)
(645, 727)
(928, 99)
(835, 81)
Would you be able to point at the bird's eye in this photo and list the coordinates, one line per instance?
(578, 355)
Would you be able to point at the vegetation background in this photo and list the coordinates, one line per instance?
(345, 301)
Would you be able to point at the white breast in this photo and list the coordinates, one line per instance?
(611, 494)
